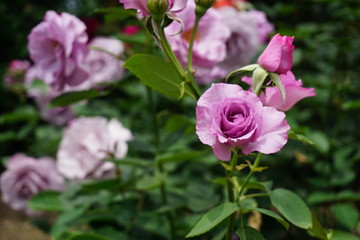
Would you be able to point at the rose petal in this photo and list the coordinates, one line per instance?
(274, 133)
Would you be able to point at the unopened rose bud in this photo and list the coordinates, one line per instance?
(202, 6)
(157, 7)
(204, 3)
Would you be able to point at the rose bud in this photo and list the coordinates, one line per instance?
(277, 57)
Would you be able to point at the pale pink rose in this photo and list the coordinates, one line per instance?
(86, 143)
(229, 117)
(15, 74)
(25, 177)
(58, 46)
(277, 56)
(293, 88)
(102, 63)
(244, 41)
(209, 45)
(141, 5)
(263, 26)
(57, 116)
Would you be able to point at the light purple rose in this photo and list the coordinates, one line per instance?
(141, 5)
(245, 40)
(263, 26)
(102, 63)
(57, 116)
(229, 117)
(293, 88)
(58, 46)
(209, 45)
(25, 177)
(15, 74)
(86, 143)
(277, 57)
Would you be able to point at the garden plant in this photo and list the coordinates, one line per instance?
(185, 119)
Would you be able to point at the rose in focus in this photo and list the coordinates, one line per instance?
(293, 88)
(277, 56)
(86, 143)
(229, 117)
(25, 177)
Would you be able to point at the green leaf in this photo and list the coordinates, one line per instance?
(321, 141)
(276, 79)
(179, 156)
(73, 97)
(340, 235)
(317, 230)
(86, 236)
(258, 79)
(346, 214)
(270, 214)
(149, 182)
(292, 207)
(247, 68)
(250, 234)
(212, 218)
(46, 201)
(157, 73)
(299, 137)
(137, 162)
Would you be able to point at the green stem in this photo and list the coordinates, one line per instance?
(191, 43)
(254, 195)
(252, 170)
(230, 191)
(188, 78)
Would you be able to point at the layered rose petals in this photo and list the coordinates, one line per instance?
(228, 116)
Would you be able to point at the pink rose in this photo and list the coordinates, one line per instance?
(293, 88)
(141, 5)
(25, 177)
(277, 57)
(102, 63)
(209, 45)
(16, 71)
(58, 46)
(86, 143)
(228, 116)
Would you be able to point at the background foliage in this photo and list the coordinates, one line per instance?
(327, 40)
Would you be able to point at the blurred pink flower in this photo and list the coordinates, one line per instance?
(141, 5)
(277, 57)
(58, 46)
(15, 73)
(42, 96)
(209, 45)
(86, 143)
(263, 26)
(102, 63)
(228, 116)
(25, 177)
(293, 88)
(130, 30)
(248, 30)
